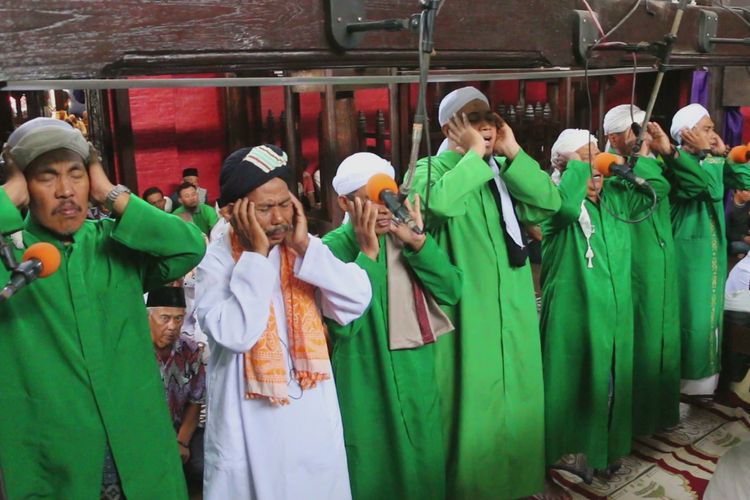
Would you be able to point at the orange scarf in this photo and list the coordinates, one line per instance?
(265, 366)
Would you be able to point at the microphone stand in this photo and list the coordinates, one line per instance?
(426, 45)
(663, 52)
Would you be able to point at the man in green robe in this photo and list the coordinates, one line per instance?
(80, 381)
(700, 242)
(587, 308)
(383, 364)
(656, 342)
(203, 216)
(489, 371)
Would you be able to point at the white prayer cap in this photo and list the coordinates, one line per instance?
(569, 141)
(453, 102)
(41, 135)
(356, 170)
(619, 118)
(688, 117)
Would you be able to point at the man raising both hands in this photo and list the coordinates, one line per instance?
(482, 187)
(274, 429)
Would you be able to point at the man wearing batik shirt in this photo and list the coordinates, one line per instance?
(182, 372)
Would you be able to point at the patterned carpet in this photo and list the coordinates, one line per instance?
(675, 464)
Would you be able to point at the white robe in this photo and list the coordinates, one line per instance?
(254, 450)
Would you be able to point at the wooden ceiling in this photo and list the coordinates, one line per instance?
(52, 39)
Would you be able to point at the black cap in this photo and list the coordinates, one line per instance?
(166, 296)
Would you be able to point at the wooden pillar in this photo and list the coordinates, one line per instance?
(340, 139)
(97, 107)
(125, 140)
(596, 120)
(235, 113)
(553, 98)
(6, 117)
(254, 116)
(394, 132)
(567, 115)
(35, 103)
(404, 129)
(293, 140)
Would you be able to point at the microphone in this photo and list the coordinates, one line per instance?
(382, 188)
(739, 154)
(608, 164)
(39, 261)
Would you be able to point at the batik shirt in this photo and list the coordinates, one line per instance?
(184, 377)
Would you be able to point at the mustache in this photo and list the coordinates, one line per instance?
(65, 205)
(280, 228)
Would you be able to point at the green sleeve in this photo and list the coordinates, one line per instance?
(572, 191)
(736, 175)
(10, 218)
(640, 200)
(536, 196)
(433, 268)
(378, 281)
(687, 177)
(650, 169)
(173, 247)
(450, 187)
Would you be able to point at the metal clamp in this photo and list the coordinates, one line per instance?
(708, 26)
(346, 23)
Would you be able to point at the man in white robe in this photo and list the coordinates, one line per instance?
(263, 444)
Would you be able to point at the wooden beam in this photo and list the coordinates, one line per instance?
(184, 36)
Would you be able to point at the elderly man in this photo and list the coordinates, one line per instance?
(656, 345)
(183, 373)
(490, 371)
(201, 215)
(70, 341)
(384, 362)
(274, 429)
(700, 242)
(587, 310)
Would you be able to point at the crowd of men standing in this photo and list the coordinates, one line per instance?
(377, 361)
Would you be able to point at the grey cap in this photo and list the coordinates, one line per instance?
(41, 135)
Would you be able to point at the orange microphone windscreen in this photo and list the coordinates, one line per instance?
(739, 154)
(379, 183)
(603, 161)
(47, 254)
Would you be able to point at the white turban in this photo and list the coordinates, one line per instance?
(569, 141)
(41, 135)
(619, 118)
(453, 102)
(356, 170)
(688, 117)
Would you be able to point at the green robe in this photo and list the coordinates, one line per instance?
(587, 316)
(490, 370)
(204, 217)
(77, 361)
(701, 251)
(656, 342)
(389, 400)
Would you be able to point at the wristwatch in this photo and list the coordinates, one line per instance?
(109, 202)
